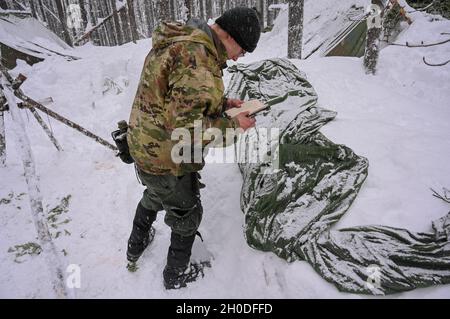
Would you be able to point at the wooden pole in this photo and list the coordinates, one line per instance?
(3, 104)
(45, 128)
(32, 103)
(49, 249)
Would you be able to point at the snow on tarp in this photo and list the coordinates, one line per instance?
(337, 25)
(330, 28)
(29, 36)
(290, 212)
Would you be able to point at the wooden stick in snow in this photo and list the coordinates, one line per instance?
(45, 128)
(2, 141)
(3, 107)
(39, 218)
(28, 102)
(16, 85)
(445, 194)
(31, 103)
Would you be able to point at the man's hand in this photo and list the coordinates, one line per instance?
(244, 121)
(233, 103)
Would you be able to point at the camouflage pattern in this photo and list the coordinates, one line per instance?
(181, 82)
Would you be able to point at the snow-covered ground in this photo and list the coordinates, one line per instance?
(399, 119)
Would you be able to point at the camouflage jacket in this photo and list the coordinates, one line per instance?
(181, 82)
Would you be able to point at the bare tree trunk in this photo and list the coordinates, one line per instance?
(270, 14)
(188, 5)
(140, 19)
(3, 104)
(172, 10)
(109, 26)
(3, 107)
(132, 20)
(202, 10)
(101, 36)
(209, 10)
(373, 37)
(33, 9)
(2, 141)
(96, 15)
(149, 14)
(94, 11)
(107, 37)
(84, 14)
(221, 7)
(260, 7)
(116, 22)
(124, 21)
(62, 20)
(41, 10)
(295, 29)
(49, 17)
(163, 13)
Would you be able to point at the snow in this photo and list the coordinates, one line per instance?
(398, 119)
(29, 36)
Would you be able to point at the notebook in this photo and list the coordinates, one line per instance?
(252, 106)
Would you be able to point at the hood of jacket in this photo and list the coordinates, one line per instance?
(170, 32)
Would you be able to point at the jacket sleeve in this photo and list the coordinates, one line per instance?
(193, 91)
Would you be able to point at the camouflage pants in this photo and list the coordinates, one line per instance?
(179, 196)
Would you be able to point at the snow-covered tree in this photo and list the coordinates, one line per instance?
(163, 12)
(373, 37)
(295, 29)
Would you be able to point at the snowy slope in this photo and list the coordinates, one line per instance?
(398, 119)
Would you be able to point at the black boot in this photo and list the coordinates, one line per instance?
(179, 271)
(142, 234)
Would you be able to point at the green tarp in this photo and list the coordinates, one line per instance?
(290, 210)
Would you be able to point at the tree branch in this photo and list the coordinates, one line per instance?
(445, 196)
(419, 45)
(424, 8)
(438, 64)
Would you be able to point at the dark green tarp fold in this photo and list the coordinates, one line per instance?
(290, 210)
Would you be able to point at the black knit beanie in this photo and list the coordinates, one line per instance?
(242, 24)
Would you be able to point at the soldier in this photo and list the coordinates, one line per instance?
(181, 82)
